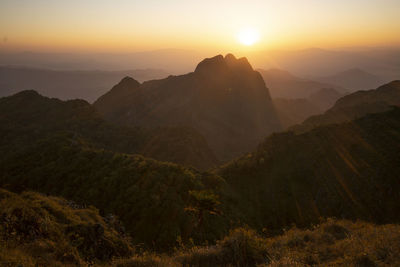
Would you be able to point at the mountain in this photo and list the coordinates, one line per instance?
(65, 148)
(66, 85)
(353, 80)
(29, 112)
(347, 170)
(224, 99)
(356, 105)
(283, 84)
(294, 111)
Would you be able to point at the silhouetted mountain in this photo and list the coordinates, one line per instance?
(224, 99)
(353, 80)
(356, 105)
(29, 112)
(65, 85)
(294, 111)
(348, 170)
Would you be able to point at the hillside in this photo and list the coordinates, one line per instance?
(38, 230)
(224, 99)
(356, 105)
(347, 170)
(28, 116)
(65, 85)
(150, 197)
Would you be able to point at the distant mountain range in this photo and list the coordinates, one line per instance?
(283, 84)
(353, 80)
(297, 98)
(66, 85)
(316, 62)
(356, 105)
(224, 99)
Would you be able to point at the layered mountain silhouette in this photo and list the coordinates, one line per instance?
(353, 79)
(224, 99)
(65, 85)
(356, 105)
(283, 84)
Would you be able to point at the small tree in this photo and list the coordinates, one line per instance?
(203, 202)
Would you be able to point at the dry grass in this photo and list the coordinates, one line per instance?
(37, 230)
(332, 243)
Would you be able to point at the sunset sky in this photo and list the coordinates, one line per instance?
(128, 26)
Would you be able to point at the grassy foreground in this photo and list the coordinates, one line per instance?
(38, 230)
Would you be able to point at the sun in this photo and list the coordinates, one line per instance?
(248, 36)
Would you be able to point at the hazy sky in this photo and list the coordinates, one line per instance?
(125, 26)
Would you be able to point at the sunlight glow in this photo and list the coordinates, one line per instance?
(248, 36)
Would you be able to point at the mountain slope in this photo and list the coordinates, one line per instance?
(224, 99)
(347, 170)
(356, 105)
(38, 230)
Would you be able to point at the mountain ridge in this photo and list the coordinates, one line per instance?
(220, 99)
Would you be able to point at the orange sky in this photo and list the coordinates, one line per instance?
(128, 26)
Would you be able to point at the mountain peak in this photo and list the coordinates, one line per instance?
(230, 57)
(210, 65)
(220, 63)
(129, 82)
(28, 94)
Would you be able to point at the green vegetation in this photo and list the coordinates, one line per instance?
(36, 230)
(28, 116)
(65, 149)
(149, 196)
(348, 170)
